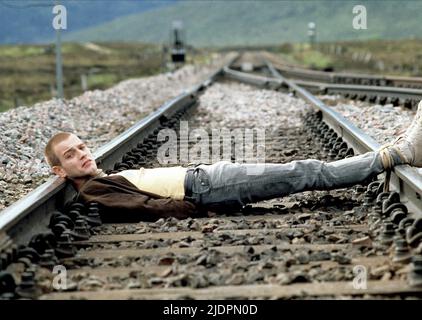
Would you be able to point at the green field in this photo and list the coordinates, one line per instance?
(27, 72)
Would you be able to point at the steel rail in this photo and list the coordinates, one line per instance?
(329, 77)
(153, 252)
(404, 95)
(406, 88)
(129, 246)
(349, 78)
(405, 179)
(30, 215)
(256, 80)
(328, 88)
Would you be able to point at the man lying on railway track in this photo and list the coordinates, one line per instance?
(149, 194)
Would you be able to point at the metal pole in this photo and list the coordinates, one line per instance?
(59, 68)
(312, 33)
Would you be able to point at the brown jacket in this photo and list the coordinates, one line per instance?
(122, 201)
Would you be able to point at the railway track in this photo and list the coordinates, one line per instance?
(395, 90)
(349, 243)
(295, 72)
(350, 78)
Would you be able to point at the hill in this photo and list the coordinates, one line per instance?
(29, 21)
(222, 23)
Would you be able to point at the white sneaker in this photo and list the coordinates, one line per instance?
(408, 145)
(415, 121)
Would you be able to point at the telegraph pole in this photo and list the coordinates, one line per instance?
(59, 66)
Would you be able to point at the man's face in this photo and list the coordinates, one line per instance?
(75, 158)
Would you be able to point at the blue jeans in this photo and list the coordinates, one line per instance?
(234, 184)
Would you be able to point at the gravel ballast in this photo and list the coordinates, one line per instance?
(234, 105)
(381, 122)
(99, 116)
(96, 117)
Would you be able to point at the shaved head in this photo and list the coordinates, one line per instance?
(50, 155)
(69, 157)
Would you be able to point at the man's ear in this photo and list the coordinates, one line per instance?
(58, 170)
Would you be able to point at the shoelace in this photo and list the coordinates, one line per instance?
(387, 160)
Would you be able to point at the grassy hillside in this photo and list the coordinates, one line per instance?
(221, 23)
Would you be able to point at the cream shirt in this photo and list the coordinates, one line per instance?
(165, 182)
